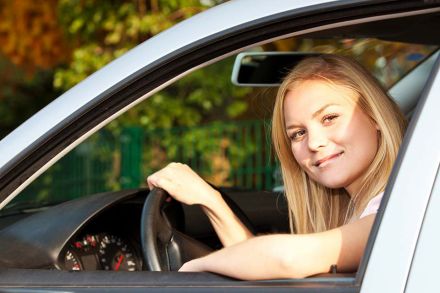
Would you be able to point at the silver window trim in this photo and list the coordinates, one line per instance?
(406, 198)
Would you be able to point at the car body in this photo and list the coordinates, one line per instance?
(401, 254)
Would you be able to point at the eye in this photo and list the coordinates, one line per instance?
(328, 119)
(297, 135)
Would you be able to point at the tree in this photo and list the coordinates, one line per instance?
(31, 36)
(32, 45)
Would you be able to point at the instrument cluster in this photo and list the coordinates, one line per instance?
(101, 251)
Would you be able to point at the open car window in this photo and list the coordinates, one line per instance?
(219, 129)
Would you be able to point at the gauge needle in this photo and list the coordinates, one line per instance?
(118, 264)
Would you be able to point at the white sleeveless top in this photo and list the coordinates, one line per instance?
(372, 206)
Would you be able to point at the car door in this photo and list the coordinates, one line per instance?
(109, 102)
(422, 275)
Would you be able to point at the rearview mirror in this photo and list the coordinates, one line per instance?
(264, 69)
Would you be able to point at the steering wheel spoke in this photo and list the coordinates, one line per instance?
(164, 246)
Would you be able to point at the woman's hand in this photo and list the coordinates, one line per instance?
(183, 184)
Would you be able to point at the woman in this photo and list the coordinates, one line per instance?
(336, 134)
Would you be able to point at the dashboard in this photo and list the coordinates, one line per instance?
(99, 232)
(108, 242)
(102, 231)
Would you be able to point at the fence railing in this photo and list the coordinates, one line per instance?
(234, 154)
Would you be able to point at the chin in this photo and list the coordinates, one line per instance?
(333, 182)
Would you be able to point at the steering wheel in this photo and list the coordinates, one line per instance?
(164, 247)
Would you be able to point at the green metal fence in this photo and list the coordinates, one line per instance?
(236, 154)
(227, 154)
(85, 170)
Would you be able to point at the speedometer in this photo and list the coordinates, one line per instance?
(116, 254)
(81, 254)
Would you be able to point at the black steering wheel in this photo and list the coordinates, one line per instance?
(164, 247)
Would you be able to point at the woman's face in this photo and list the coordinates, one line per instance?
(331, 138)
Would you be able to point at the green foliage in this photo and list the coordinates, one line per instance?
(103, 30)
(20, 95)
(190, 122)
(214, 148)
(203, 96)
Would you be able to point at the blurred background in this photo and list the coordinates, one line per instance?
(220, 130)
(49, 46)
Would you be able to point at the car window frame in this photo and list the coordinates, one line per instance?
(367, 275)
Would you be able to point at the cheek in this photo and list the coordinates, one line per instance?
(299, 153)
(365, 139)
(371, 143)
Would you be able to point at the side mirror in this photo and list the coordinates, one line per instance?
(265, 69)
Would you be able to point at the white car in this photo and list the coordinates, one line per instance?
(101, 233)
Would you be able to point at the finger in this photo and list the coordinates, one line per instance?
(167, 185)
(151, 181)
(150, 186)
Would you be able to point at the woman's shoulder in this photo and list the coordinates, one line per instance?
(372, 206)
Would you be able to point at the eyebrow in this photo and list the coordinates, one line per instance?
(322, 109)
(316, 113)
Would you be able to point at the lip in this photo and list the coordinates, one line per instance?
(320, 162)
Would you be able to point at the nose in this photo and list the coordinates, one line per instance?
(316, 139)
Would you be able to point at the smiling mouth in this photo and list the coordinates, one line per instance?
(322, 162)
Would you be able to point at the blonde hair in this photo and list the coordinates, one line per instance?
(312, 206)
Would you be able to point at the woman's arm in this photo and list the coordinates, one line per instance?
(183, 184)
(289, 256)
(227, 225)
